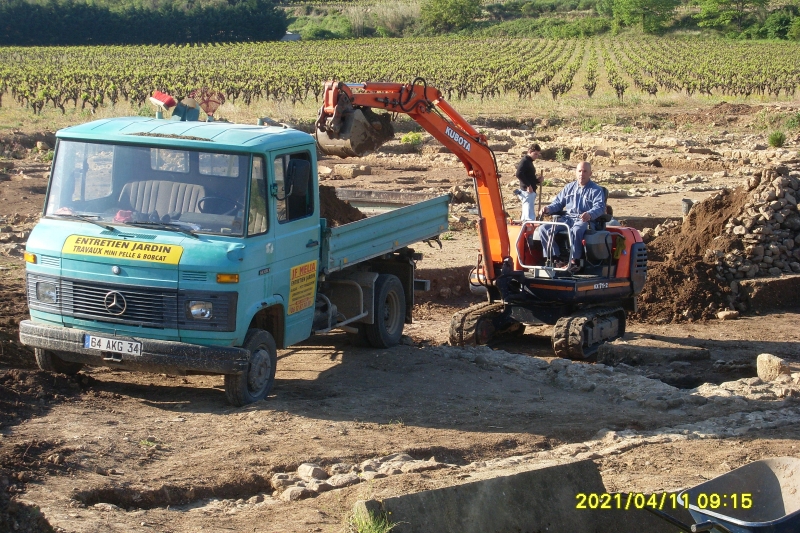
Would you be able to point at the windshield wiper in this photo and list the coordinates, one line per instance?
(169, 226)
(86, 218)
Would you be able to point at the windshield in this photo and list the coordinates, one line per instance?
(202, 192)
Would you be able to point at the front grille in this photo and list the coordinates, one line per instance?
(143, 307)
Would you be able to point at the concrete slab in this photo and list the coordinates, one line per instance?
(538, 500)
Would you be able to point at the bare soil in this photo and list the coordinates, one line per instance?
(680, 285)
(117, 451)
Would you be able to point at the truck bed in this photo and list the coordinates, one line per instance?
(371, 237)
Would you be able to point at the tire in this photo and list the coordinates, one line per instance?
(50, 362)
(256, 383)
(390, 312)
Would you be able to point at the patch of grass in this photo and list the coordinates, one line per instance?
(590, 124)
(447, 236)
(547, 183)
(776, 139)
(48, 156)
(793, 122)
(627, 129)
(147, 443)
(561, 156)
(413, 138)
(764, 120)
(371, 523)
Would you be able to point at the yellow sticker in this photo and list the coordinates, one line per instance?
(302, 285)
(167, 254)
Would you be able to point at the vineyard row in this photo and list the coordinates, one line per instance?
(487, 68)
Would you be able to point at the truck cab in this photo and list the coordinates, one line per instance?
(188, 247)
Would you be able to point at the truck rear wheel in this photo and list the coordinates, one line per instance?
(256, 382)
(390, 312)
(50, 362)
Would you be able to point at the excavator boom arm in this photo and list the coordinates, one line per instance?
(426, 106)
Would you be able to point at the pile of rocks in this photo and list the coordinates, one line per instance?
(768, 228)
(311, 479)
(648, 234)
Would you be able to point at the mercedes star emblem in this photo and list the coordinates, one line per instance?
(115, 303)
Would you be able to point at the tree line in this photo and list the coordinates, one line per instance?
(51, 22)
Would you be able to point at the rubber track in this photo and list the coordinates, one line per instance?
(464, 322)
(568, 332)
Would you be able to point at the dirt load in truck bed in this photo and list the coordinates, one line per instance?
(338, 212)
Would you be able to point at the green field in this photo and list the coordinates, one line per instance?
(535, 70)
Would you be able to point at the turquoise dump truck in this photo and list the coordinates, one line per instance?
(198, 248)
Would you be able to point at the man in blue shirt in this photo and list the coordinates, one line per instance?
(582, 201)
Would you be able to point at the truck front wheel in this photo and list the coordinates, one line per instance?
(256, 382)
(50, 362)
(390, 312)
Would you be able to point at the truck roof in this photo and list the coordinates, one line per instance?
(213, 136)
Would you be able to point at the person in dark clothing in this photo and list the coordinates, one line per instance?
(528, 182)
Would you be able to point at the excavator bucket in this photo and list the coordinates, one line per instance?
(359, 132)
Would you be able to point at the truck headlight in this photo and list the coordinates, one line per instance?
(46, 292)
(201, 310)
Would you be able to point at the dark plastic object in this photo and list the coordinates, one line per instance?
(638, 266)
(774, 486)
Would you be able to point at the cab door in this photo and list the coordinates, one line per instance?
(297, 238)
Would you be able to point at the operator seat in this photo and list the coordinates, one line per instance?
(164, 197)
(599, 224)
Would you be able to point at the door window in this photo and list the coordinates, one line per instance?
(257, 220)
(296, 202)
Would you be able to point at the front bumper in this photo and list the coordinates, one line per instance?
(157, 356)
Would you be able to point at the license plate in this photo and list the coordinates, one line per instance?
(104, 344)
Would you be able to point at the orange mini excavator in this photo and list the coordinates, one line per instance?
(524, 287)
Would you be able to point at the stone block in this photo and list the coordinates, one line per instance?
(771, 367)
(311, 471)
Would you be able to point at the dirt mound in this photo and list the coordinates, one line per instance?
(23, 394)
(680, 285)
(17, 516)
(702, 229)
(722, 112)
(13, 309)
(338, 212)
(733, 109)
